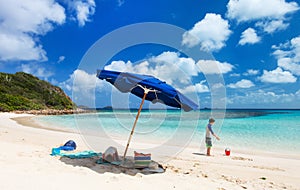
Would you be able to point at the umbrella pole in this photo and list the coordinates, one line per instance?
(136, 119)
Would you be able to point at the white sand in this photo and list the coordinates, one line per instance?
(25, 163)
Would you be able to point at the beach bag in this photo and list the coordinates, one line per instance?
(110, 155)
(141, 160)
(69, 145)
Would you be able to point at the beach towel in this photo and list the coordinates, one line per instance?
(66, 148)
(80, 155)
(75, 155)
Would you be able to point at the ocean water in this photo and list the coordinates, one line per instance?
(264, 130)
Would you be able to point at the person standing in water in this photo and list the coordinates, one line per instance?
(210, 132)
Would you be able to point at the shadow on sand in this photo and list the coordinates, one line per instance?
(102, 168)
(199, 154)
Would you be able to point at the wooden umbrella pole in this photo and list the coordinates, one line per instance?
(136, 119)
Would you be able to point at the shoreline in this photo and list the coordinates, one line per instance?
(25, 158)
(28, 121)
(51, 111)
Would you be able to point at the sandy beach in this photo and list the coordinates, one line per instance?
(26, 163)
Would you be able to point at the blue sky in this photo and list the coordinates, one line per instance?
(255, 47)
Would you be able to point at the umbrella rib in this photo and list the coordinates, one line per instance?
(156, 95)
(146, 90)
(178, 102)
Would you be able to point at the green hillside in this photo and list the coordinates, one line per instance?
(22, 91)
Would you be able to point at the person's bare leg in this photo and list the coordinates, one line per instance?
(208, 151)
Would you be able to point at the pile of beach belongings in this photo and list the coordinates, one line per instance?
(67, 150)
(140, 161)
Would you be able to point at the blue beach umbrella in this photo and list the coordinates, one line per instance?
(148, 88)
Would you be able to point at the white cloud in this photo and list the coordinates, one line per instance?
(80, 10)
(249, 36)
(84, 11)
(288, 55)
(61, 59)
(235, 75)
(277, 76)
(272, 26)
(211, 33)
(37, 70)
(82, 86)
(80, 81)
(22, 22)
(217, 86)
(175, 70)
(269, 14)
(186, 65)
(251, 72)
(20, 46)
(214, 67)
(166, 66)
(245, 10)
(198, 88)
(262, 97)
(242, 84)
(288, 64)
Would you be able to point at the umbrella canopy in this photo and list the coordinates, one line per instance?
(159, 91)
(148, 88)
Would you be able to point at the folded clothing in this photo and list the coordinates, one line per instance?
(141, 160)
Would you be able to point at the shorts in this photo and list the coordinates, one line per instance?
(208, 142)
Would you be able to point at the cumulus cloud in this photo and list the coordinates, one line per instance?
(249, 36)
(198, 87)
(269, 14)
(288, 64)
(242, 84)
(80, 11)
(235, 74)
(214, 67)
(80, 81)
(166, 66)
(272, 26)
(251, 72)
(210, 33)
(288, 55)
(83, 86)
(84, 9)
(169, 65)
(278, 76)
(261, 97)
(22, 22)
(37, 70)
(244, 10)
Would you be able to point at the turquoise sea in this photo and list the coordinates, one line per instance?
(264, 130)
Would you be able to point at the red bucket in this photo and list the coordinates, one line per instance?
(227, 152)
